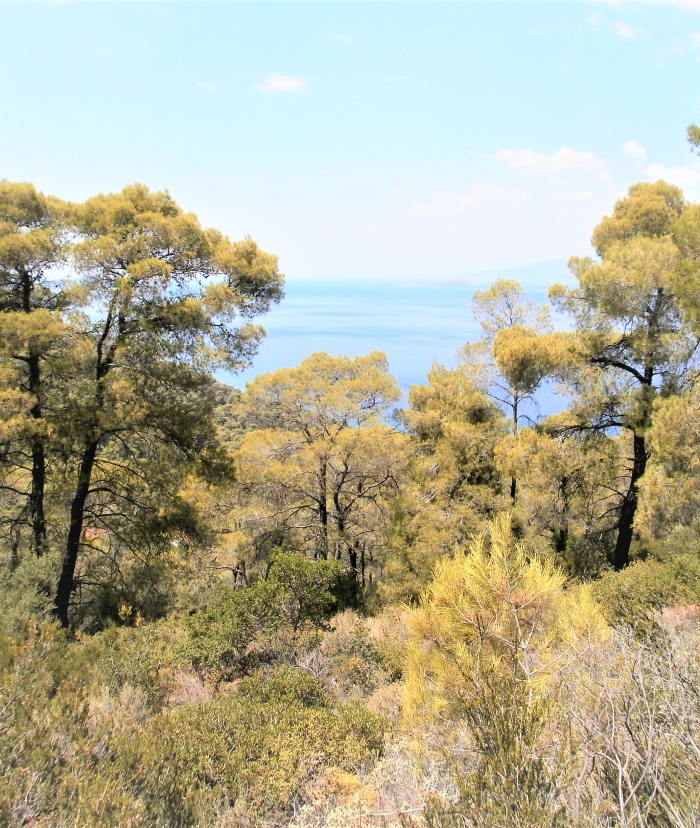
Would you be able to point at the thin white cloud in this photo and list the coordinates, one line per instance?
(690, 44)
(688, 5)
(618, 27)
(282, 83)
(208, 87)
(627, 31)
(634, 150)
(576, 197)
(476, 195)
(564, 160)
(687, 178)
(341, 38)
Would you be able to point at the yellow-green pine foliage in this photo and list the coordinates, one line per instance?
(498, 613)
(106, 401)
(514, 355)
(566, 489)
(694, 135)
(321, 467)
(634, 338)
(452, 485)
(517, 353)
(33, 345)
(487, 639)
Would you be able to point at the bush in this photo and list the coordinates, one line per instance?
(259, 745)
(313, 590)
(243, 630)
(636, 594)
(77, 752)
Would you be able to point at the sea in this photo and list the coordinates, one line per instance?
(415, 323)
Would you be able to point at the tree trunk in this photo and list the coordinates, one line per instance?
(352, 560)
(66, 583)
(628, 508)
(103, 365)
(513, 481)
(561, 532)
(323, 509)
(561, 538)
(36, 496)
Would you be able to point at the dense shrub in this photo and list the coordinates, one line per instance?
(636, 594)
(260, 745)
(76, 753)
(235, 635)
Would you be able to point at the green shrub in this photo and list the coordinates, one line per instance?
(76, 752)
(25, 593)
(243, 630)
(142, 657)
(285, 684)
(634, 595)
(314, 590)
(259, 745)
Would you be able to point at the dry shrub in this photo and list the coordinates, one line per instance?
(188, 688)
(634, 709)
(346, 659)
(392, 794)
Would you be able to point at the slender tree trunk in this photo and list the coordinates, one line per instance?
(561, 532)
(352, 560)
(561, 538)
(323, 509)
(36, 499)
(36, 496)
(628, 508)
(103, 365)
(66, 583)
(513, 481)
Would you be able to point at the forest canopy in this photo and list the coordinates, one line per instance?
(299, 603)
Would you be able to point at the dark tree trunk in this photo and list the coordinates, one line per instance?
(628, 508)
(352, 560)
(561, 538)
(323, 510)
(66, 583)
(513, 481)
(561, 532)
(36, 497)
(104, 363)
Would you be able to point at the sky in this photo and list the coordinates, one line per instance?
(396, 156)
(359, 141)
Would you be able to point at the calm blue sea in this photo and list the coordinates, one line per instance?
(416, 324)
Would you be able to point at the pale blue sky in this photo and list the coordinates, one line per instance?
(416, 141)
